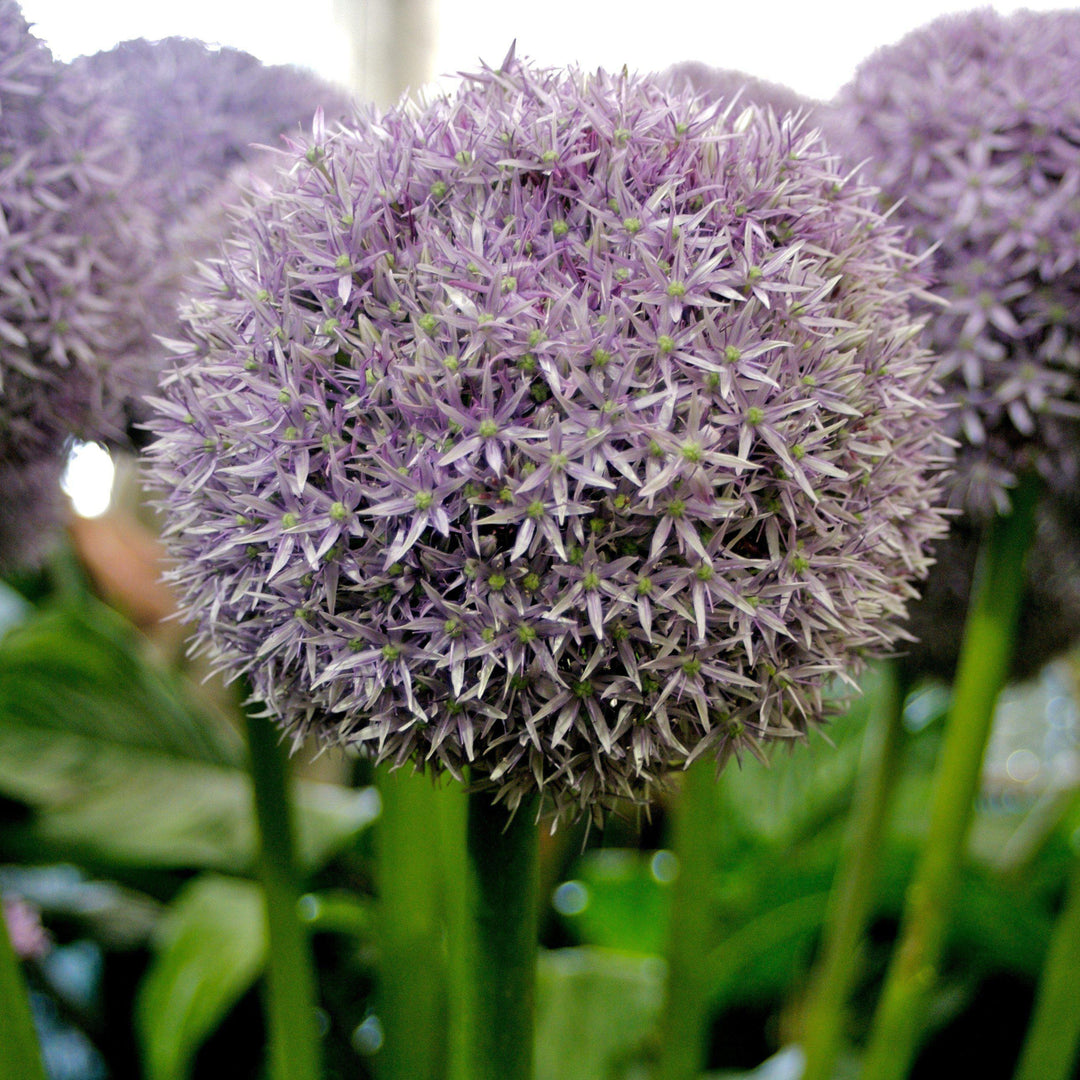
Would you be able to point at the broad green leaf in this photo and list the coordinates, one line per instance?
(596, 1012)
(81, 671)
(211, 947)
(106, 805)
(118, 767)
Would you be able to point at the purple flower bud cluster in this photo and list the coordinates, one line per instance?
(562, 430)
(73, 252)
(974, 123)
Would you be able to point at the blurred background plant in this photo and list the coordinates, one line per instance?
(128, 850)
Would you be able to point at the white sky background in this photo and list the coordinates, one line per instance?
(812, 46)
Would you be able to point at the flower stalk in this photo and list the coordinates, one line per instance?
(1053, 1039)
(290, 991)
(853, 889)
(496, 1018)
(21, 1056)
(412, 971)
(691, 935)
(981, 674)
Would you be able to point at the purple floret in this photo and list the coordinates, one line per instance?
(561, 429)
(973, 122)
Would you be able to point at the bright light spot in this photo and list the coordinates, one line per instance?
(368, 1037)
(570, 898)
(664, 867)
(1022, 766)
(88, 479)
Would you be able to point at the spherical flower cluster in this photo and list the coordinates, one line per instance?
(73, 252)
(200, 119)
(728, 85)
(198, 111)
(563, 429)
(974, 123)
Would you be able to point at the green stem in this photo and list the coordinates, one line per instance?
(1053, 1038)
(20, 1056)
(985, 656)
(290, 1007)
(496, 1019)
(412, 967)
(687, 1008)
(850, 902)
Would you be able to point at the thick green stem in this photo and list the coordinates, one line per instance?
(851, 900)
(691, 937)
(985, 656)
(290, 1006)
(1053, 1040)
(412, 963)
(495, 1021)
(20, 1055)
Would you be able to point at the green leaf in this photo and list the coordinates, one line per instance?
(596, 1012)
(211, 947)
(81, 671)
(118, 767)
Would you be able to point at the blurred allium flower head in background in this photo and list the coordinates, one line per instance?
(562, 428)
(725, 84)
(200, 118)
(974, 122)
(72, 254)
(198, 111)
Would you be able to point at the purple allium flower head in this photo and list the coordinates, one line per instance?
(974, 122)
(725, 84)
(562, 429)
(73, 251)
(199, 118)
(199, 111)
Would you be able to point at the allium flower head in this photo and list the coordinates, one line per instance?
(72, 252)
(564, 429)
(974, 122)
(200, 119)
(725, 84)
(199, 111)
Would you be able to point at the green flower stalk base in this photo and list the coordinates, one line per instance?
(290, 1007)
(983, 667)
(691, 937)
(20, 1055)
(412, 906)
(1053, 1041)
(853, 890)
(495, 1019)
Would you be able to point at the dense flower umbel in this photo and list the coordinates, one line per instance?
(563, 429)
(726, 84)
(198, 117)
(200, 111)
(72, 253)
(974, 122)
